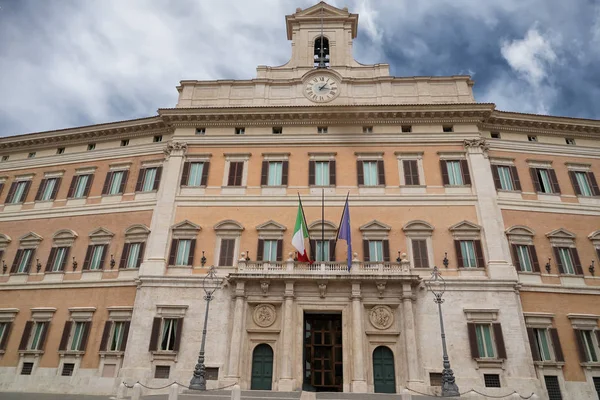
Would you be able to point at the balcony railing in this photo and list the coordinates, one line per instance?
(328, 267)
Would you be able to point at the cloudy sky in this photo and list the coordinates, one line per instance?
(66, 63)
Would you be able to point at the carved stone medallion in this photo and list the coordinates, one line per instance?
(264, 315)
(381, 317)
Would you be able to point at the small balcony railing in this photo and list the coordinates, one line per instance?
(324, 267)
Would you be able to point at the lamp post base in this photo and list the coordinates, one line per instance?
(449, 387)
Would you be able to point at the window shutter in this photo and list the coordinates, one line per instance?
(44, 335)
(88, 185)
(558, 261)
(332, 179)
(598, 254)
(515, 177)
(264, 174)
(534, 258)
(28, 266)
(227, 248)
(205, 168)
(185, 174)
(107, 182)
(554, 181)
(157, 178)
(190, 260)
(331, 249)
(103, 257)
(558, 353)
(26, 191)
(444, 167)
(38, 194)
(535, 179)
(154, 335)
(311, 173)
(140, 255)
(464, 169)
(4, 341)
(178, 332)
(386, 250)
(56, 187)
(535, 352)
(574, 182)
(313, 248)
(279, 250)
(576, 261)
(50, 261)
(105, 335)
(424, 254)
(285, 166)
(15, 264)
(381, 172)
(1, 187)
(126, 325)
(223, 252)
(124, 182)
(580, 346)
(25, 337)
(236, 170)
(260, 250)
(366, 254)
(473, 340)
(85, 335)
(231, 177)
(65, 259)
(411, 172)
(124, 255)
(593, 184)
(64, 340)
(140, 180)
(416, 251)
(173, 252)
(496, 176)
(88, 256)
(499, 340)
(459, 256)
(479, 254)
(11, 193)
(515, 256)
(360, 173)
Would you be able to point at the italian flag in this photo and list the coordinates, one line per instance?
(300, 233)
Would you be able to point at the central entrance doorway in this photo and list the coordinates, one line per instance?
(323, 370)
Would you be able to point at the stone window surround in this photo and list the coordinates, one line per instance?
(54, 174)
(115, 314)
(228, 229)
(369, 156)
(24, 177)
(586, 322)
(276, 156)
(485, 316)
(595, 239)
(322, 156)
(38, 314)
(229, 157)
(567, 239)
(64, 238)
(100, 236)
(167, 311)
(152, 164)
(4, 241)
(198, 157)
(505, 161)
(465, 230)
(120, 167)
(315, 230)
(30, 240)
(571, 166)
(375, 230)
(8, 315)
(77, 314)
(520, 234)
(401, 156)
(538, 163)
(452, 155)
(270, 230)
(136, 233)
(419, 230)
(85, 171)
(119, 313)
(538, 320)
(185, 230)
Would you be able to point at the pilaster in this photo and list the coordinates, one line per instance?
(359, 383)
(286, 383)
(410, 337)
(236, 331)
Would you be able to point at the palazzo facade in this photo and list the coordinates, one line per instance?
(107, 231)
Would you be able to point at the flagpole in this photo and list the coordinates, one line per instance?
(306, 225)
(322, 224)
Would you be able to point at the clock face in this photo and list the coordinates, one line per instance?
(321, 88)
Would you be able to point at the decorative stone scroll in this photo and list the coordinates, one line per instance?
(175, 147)
(477, 143)
(264, 315)
(381, 317)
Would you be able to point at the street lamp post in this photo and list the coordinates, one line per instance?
(437, 285)
(210, 283)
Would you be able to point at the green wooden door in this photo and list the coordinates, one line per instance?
(383, 370)
(262, 367)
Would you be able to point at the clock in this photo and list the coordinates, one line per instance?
(321, 88)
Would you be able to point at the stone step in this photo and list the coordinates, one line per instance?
(246, 395)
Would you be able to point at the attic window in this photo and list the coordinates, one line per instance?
(406, 128)
(200, 131)
(321, 129)
(240, 131)
(495, 135)
(5, 158)
(367, 129)
(321, 57)
(570, 141)
(532, 138)
(91, 146)
(60, 150)
(157, 139)
(277, 130)
(124, 142)
(448, 128)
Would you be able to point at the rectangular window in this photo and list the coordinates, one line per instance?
(321, 129)
(149, 177)
(322, 173)
(543, 344)
(406, 128)
(132, 257)
(226, 254)
(322, 250)
(5, 158)
(96, 260)
(168, 334)
(115, 182)
(59, 259)
(183, 251)
(37, 335)
(495, 135)
(566, 260)
(116, 338)
(491, 380)
(524, 258)
(552, 387)
(162, 372)
(48, 190)
(532, 138)
(485, 342)
(236, 170)
(80, 186)
(200, 131)
(370, 173)
(275, 173)
(60, 150)
(23, 263)
(583, 183)
(195, 176)
(588, 345)
(467, 249)
(505, 178)
(91, 146)
(420, 257)
(76, 338)
(3, 333)
(27, 368)
(570, 141)
(240, 131)
(277, 130)
(31, 155)
(19, 192)
(376, 250)
(269, 250)
(448, 128)
(157, 139)
(411, 172)
(367, 129)
(68, 369)
(124, 142)
(454, 173)
(544, 178)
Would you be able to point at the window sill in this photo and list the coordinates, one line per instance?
(589, 200)
(457, 189)
(161, 355)
(35, 353)
(509, 194)
(111, 198)
(590, 365)
(548, 196)
(549, 364)
(111, 354)
(13, 207)
(273, 186)
(43, 204)
(79, 201)
(496, 363)
(71, 353)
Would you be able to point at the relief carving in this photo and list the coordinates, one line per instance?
(381, 317)
(264, 315)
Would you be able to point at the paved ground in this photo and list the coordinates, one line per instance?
(43, 396)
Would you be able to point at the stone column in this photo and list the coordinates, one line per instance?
(236, 332)
(410, 337)
(164, 211)
(286, 383)
(489, 213)
(359, 383)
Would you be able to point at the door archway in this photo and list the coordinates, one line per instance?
(384, 375)
(262, 367)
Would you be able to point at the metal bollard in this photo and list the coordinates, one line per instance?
(121, 391)
(236, 393)
(137, 391)
(173, 391)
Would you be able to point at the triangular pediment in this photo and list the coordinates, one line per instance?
(417, 225)
(321, 10)
(31, 237)
(4, 240)
(560, 233)
(465, 226)
(186, 226)
(327, 11)
(271, 226)
(594, 235)
(101, 232)
(375, 226)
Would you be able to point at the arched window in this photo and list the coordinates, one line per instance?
(321, 58)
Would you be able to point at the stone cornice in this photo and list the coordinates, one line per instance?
(542, 124)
